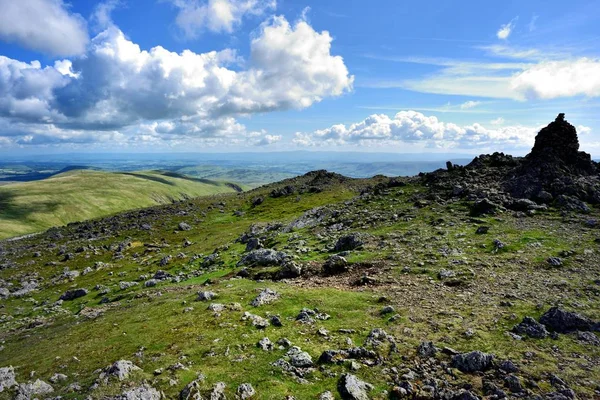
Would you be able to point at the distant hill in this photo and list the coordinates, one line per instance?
(82, 194)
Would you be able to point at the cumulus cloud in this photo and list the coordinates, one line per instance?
(506, 29)
(196, 16)
(102, 17)
(117, 85)
(43, 25)
(268, 140)
(414, 127)
(552, 79)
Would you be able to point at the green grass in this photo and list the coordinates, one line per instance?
(83, 194)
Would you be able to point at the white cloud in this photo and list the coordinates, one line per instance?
(497, 121)
(196, 16)
(414, 127)
(532, 23)
(43, 25)
(117, 86)
(552, 79)
(102, 13)
(469, 104)
(506, 29)
(268, 140)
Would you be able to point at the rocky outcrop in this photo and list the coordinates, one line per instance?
(555, 173)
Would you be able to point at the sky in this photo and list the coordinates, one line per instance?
(426, 76)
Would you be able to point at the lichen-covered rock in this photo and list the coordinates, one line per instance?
(531, 328)
(29, 391)
(266, 296)
(7, 378)
(348, 242)
(263, 257)
(352, 388)
(121, 369)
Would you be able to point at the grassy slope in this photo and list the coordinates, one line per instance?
(82, 194)
(223, 347)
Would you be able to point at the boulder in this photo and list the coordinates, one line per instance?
(348, 242)
(7, 378)
(531, 328)
(474, 361)
(558, 320)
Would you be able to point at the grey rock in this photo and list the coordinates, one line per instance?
(73, 294)
(143, 392)
(387, 310)
(299, 358)
(216, 307)
(473, 362)
(561, 321)
(445, 274)
(7, 378)
(531, 328)
(426, 350)
(58, 378)
(184, 226)
(192, 391)
(218, 391)
(335, 264)
(206, 295)
(121, 369)
(554, 261)
(253, 244)
(28, 391)
(348, 242)
(263, 257)
(266, 296)
(245, 391)
(588, 337)
(289, 270)
(326, 396)
(513, 383)
(126, 285)
(352, 388)
(265, 344)
(151, 283)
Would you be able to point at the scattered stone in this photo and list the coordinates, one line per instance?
(508, 366)
(192, 391)
(446, 274)
(126, 285)
(289, 270)
(483, 207)
(73, 294)
(263, 257)
(257, 321)
(482, 230)
(121, 369)
(554, 261)
(426, 350)
(531, 328)
(326, 396)
(276, 321)
(335, 264)
(348, 242)
(218, 391)
(245, 391)
(143, 392)
(299, 358)
(7, 378)
(265, 344)
(266, 296)
(206, 296)
(184, 226)
(586, 337)
(513, 383)
(387, 310)
(352, 388)
(473, 362)
(216, 307)
(27, 391)
(56, 378)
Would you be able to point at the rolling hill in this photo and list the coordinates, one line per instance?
(83, 194)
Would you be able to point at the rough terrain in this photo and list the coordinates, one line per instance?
(459, 284)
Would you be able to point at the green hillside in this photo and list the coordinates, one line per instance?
(83, 194)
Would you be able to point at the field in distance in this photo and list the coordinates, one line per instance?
(79, 195)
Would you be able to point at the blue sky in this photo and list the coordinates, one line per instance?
(271, 75)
